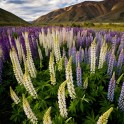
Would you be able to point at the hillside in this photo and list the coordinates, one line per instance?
(88, 10)
(9, 19)
(115, 15)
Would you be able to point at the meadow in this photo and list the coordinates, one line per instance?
(61, 75)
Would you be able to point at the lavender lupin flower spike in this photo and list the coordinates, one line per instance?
(121, 99)
(79, 75)
(111, 88)
(111, 64)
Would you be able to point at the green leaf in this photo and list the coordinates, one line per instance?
(73, 106)
(68, 120)
(119, 79)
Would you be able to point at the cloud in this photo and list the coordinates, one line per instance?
(32, 9)
(15, 2)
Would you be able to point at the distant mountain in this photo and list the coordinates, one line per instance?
(115, 15)
(9, 19)
(88, 10)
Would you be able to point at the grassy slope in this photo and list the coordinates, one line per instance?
(9, 19)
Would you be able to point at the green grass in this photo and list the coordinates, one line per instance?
(98, 26)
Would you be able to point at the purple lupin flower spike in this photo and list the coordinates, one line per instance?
(121, 46)
(1, 63)
(77, 58)
(79, 75)
(121, 99)
(66, 61)
(89, 55)
(73, 54)
(120, 60)
(111, 64)
(108, 54)
(1, 66)
(85, 55)
(69, 52)
(63, 52)
(111, 88)
(80, 54)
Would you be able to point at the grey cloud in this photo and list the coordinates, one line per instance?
(34, 10)
(16, 1)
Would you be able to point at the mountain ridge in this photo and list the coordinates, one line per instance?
(84, 11)
(9, 19)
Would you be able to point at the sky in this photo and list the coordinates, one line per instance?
(30, 10)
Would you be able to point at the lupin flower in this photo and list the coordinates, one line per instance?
(111, 64)
(79, 75)
(60, 64)
(47, 117)
(93, 56)
(28, 83)
(56, 48)
(16, 66)
(120, 60)
(77, 58)
(63, 52)
(85, 84)
(46, 51)
(121, 46)
(89, 55)
(104, 118)
(73, 54)
(62, 100)
(80, 54)
(19, 50)
(69, 77)
(85, 55)
(1, 63)
(66, 61)
(31, 66)
(102, 55)
(69, 52)
(111, 88)
(39, 52)
(121, 99)
(13, 95)
(23, 55)
(28, 111)
(51, 69)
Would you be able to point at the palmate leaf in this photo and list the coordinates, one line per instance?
(105, 105)
(73, 106)
(43, 85)
(20, 89)
(42, 103)
(17, 114)
(91, 118)
(58, 120)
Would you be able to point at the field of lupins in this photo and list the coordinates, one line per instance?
(56, 75)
